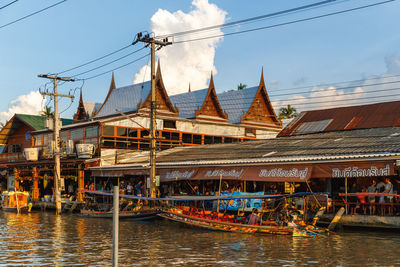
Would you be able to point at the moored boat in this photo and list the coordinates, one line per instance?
(15, 201)
(142, 214)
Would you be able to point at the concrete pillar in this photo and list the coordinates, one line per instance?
(81, 182)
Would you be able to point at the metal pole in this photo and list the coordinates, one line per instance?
(115, 232)
(153, 125)
(57, 171)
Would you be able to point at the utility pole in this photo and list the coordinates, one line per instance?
(150, 41)
(56, 136)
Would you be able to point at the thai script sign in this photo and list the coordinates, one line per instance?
(353, 172)
(284, 173)
(178, 175)
(224, 173)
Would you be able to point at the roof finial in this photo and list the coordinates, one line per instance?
(190, 90)
(112, 84)
(262, 76)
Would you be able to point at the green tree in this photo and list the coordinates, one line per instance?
(287, 112)
(241, 86)
(47, 112)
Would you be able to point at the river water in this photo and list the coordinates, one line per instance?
(44, 239)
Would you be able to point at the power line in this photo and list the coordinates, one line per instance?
(9, 4)
(96, 59)
(30, 15)
(285, 23)
(115, 60)
(248, 19)
(131, 62)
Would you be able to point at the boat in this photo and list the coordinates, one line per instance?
(281, 218)
(15, 201)
(137, 215)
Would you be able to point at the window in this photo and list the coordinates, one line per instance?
(144, 133)
(197, 139)
(208, 139)
(132, 132)
(228, 140)
(169, 124)
(166, 135)
(175, 136)
(187, 138)
(38, 140)
(77, 134)
(122, 131)
(16, 148)
(217, 140)
(250, 132)
(91, 132)
(108, 131)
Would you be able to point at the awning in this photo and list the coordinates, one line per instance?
(111, 172)
(274, 173)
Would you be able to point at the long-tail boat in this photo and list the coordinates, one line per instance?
(223, 221)
(16, 201)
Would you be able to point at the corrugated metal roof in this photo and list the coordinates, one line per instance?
(91, 106)
(125, 99)
(189, 102)
(349, 118)
(357, 144)
(39, 122)
(237, 102)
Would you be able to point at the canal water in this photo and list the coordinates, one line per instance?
(43, 239)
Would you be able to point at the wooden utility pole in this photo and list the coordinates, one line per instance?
(56, 136)
(150, 41)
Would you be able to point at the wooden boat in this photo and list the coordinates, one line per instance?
(16, 201)
(227, 224)
(142, 214)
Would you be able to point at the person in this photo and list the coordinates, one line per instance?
(354, 200)
(129, 188)
(138, 189)
(253, 218)
(371, 199)
(389, 190)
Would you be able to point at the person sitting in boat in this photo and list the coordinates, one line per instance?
(253, 218)
(138, 188)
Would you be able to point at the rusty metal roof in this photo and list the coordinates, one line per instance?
(345, 118)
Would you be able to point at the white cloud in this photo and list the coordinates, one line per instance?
(190, 62)
(31, 103)
(372, 89)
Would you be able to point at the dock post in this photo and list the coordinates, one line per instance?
(115, 226)
(336, 219)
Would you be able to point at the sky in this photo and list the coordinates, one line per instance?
(300, 61)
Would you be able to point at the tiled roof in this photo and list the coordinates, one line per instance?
(346, 118)
(39, 122)
(189, 102)
(237, 102)
(125, 99)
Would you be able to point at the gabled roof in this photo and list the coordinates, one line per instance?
(92, 107)
(164, 104)
(81, 114)
(237, 102)
(34, 122)
(261, 111)
(125, 99)
(189, 102)
(199, 104)
(345, 118)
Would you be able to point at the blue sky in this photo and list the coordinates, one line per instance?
(343, 47)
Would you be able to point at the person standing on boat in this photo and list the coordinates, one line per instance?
(253, 218)
(138, 189)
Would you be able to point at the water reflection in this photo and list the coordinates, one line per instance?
(68, 240)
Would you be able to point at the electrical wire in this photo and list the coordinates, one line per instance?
(106, 64)
(94, 60)
(285, 23)
(127, 64)
(9, 4)
(30, 15)
(233, 23)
